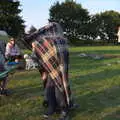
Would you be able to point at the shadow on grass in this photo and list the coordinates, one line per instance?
(25, 103)
(103, 105)
(26, 75)
(86, 64)
(21, 94)
(109, 51)
(97, 104)
(93, 103)
(102, 75)
(114, 116)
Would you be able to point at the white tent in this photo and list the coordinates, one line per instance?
(118, 35)
(4, 36)
(3, 33)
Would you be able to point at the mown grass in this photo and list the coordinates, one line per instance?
(95, 85)
(4, 38)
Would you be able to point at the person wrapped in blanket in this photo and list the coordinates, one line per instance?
(4, 79)
(52, 53)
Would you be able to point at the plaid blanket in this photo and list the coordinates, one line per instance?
(52, 53)
(63, 53)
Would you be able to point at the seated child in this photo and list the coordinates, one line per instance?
(13, 52)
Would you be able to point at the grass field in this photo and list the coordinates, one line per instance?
(4, 38)
(95, 85)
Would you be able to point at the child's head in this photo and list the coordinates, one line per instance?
(12, 41)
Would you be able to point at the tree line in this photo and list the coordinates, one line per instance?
(10, 19)
(78, 24)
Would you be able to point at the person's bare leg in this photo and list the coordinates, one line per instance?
(3, 86)
(4, 83)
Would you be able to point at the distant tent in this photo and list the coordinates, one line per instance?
(118, 34)
(3, 33)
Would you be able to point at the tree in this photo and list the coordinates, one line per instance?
(106, 24)
(72, 17)
(92, 27)
(10, 20)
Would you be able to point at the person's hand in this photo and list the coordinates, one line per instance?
(44, 75)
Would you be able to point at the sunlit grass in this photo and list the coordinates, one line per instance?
(95, 86)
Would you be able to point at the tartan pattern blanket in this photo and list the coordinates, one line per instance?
(62, 51)
(51, 53)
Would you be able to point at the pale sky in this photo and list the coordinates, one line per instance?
(36, 12)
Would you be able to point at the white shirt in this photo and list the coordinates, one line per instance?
(12, 50)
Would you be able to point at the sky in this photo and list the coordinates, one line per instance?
(36, 12)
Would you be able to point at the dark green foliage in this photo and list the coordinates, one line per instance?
(104, 25)
(71, 16)
(10, 20)
(79, 25)
(109, 21)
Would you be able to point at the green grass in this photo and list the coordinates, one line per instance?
(95, 86)
(4, 38)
